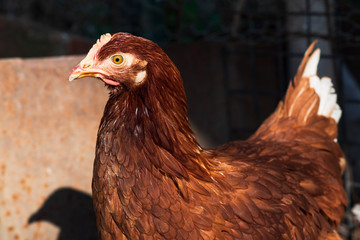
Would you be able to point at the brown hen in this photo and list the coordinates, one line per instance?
(152, 180)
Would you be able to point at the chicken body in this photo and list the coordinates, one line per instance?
(152, 180)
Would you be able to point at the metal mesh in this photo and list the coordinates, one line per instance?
(282, 34)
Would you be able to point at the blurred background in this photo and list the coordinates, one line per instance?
(236, 58)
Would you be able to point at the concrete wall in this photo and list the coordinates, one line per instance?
(47, 137)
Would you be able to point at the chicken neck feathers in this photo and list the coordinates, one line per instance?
(152, 180)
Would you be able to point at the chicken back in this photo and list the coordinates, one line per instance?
(152, 180)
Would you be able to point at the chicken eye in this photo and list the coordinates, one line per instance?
(117, 59)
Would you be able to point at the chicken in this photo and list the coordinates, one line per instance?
(152, 180)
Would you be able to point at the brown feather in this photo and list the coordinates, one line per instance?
(152, 180)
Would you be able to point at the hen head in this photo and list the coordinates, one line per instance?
(147, 101)
(121, 60)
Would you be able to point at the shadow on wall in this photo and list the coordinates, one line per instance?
(72, 211)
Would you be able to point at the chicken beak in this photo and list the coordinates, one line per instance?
(78, 72)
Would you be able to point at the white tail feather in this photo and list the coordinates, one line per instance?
(323, 87)
(312, 64)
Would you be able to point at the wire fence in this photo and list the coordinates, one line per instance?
(288, 30)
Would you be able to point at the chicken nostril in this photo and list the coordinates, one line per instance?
(86, 66)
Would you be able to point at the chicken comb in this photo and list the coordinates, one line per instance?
(105, 38)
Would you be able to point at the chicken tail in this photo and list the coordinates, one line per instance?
(306, 121)
(300, 98)
(310, 105)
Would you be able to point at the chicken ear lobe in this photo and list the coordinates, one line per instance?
(141, 75)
